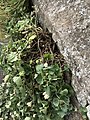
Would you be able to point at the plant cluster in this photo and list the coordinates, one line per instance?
(33, 87)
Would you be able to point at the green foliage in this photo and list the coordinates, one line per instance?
(83, 110)
(32, 89)
(40, 96)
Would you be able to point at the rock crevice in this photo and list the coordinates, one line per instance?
(69, 23)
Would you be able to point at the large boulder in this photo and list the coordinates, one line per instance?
(69, 23)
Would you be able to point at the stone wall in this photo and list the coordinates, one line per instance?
(69, 23)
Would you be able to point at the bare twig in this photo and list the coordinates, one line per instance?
(40, 50)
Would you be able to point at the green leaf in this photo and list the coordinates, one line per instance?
(27, 118)
(83, 110)
(64, 108)
(39, 79)
(48, 118)
(66, 68)
(64, 92)
(32, 37)
(56, 102)
(17, 80)
(48, 56)
(29, 104)
(31, 62)
(47, 90)
(6, 78)
(21, 71)
(12, 57)
(22, 90)
(65, 100)
(8, 104)
(61, 114)
(69, 88)
(39, 68)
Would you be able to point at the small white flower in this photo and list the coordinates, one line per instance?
(44, 93)
(6, 117)
(46, 96)
(8, 84)
(35, 76)
(34, 115)
(8, 104)
(1, 118)
(12, 116)
(45, 64)
(7, 91)
(27, 118)
(29, 104)
(18, 104)
(46, 74)
(15, 113)
(3, 84)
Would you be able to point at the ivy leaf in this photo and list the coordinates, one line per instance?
(56, 102)
(17, 80)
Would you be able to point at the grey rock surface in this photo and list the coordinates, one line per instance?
(69, 23)
(74, 116)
